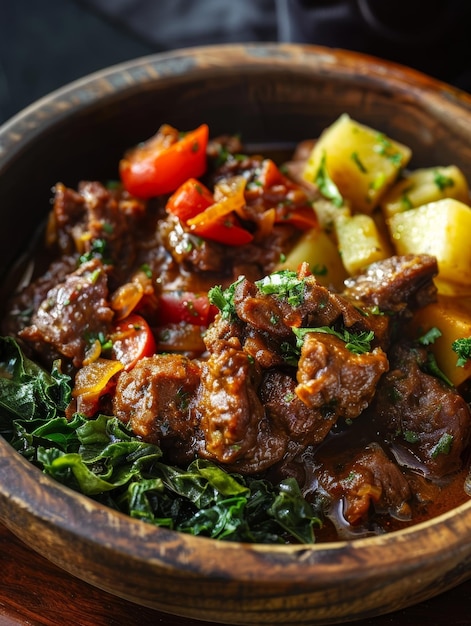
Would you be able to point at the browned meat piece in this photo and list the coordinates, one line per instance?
(72, 314)
(264, 312)
(428, 422)
(335, 381)
(154, 399)
(284, 408)
(24, 303)
(317, 306)
(93, 213)
(397, 283)
(233, 421)
(364, 479)
(194, 253)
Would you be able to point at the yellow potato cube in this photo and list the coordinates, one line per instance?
(360, 242)
(423, 186)
(317, 249)
(355, 161)
(441, 229)
(452, 317)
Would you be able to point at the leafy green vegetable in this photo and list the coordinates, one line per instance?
(462, 347)
(101, 458)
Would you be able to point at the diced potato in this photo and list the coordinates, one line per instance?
(441, 229)
(362, 162)
(424, 186)
(327, 213)
(360, 242)
(452, 317)
(317, 249)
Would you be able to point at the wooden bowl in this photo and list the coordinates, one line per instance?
(272, 95)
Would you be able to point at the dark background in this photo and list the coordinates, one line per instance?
(46, 44)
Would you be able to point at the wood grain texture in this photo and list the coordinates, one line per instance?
(271, 94)
(37, 593)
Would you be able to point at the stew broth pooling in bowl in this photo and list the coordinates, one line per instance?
(220, 325)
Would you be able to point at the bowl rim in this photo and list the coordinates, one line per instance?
(328, 562)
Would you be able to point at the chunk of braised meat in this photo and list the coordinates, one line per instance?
(428, 422)
(335, 381)
(154, 399)
(23, 304)
(72, 314)
(396, 284)
(93, 212)
(301, 423)
(316, 306)
(364, 480)
(236, 429)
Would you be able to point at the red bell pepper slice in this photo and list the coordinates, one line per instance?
(132, 339)
(195, 206)
(165, 161)
(189, 199)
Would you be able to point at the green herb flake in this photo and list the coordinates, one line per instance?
(385, 148)
(442, 181)
(319, 269)
(411, 436)
(146, 269)
(357, 343)
(443, 445)
(430, 336)
(462, 347)
(283, 284)
(223, 299)
(326, 185)
(358, 162)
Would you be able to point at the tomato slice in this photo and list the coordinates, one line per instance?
(132, 339)
(165, 161)
(185, 306)
(224, 230)
(189, 200)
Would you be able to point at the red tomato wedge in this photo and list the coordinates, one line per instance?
(132, 339)
(224, 230)
(195, 206)
(185, 306)
(189, 199)
(165, 161)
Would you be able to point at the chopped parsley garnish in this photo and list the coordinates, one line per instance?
(99, 249)
(462, 347)
(430, 336)
(443, 445)
(442, 181)
(319, 270)
(223, 299)
(385, 148)
(358, 162)
(358, 343)
(283, 284)
(326, 185)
